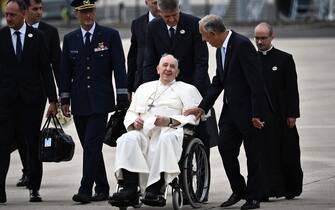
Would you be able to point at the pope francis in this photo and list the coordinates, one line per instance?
(148, 154)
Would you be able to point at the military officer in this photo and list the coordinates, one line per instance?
(91, 55)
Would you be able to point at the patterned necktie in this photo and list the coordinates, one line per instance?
(172, 34)
(18, 45)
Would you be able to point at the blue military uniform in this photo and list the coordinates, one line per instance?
(89, 61)
(86, 77)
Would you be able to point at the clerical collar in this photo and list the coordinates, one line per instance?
(169, 84)
(151, 16)
(266, 51)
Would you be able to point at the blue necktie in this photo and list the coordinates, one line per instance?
(87, 44)
(172, 34)
(18, 45)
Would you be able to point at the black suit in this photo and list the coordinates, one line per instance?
(188, 48)
(51, 38)
(53, 47)
(136, 52)
(23, 87)
(244, 98)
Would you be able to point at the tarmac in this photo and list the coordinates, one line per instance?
(315, 61)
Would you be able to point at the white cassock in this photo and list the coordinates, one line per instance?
(154, 149)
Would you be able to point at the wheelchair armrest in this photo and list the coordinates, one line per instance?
(189, 129)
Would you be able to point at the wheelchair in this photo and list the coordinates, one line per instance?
(192, 184)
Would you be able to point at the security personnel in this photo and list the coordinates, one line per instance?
(91, 55)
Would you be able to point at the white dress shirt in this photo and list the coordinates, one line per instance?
(83, 31)
(22, 35)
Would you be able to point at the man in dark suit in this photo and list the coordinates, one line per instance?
(26, 79)
(238, 73)
(33, 17)
(91, 55)
(282, 168)
(137, 46)
(178, 34)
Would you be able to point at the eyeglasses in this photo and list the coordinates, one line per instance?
(261, 38)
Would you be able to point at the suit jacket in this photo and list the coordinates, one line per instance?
(281, 81)
(53, 46)
(188, 48)
(31, 79)
(136, 52)
(241, 79)
(87, 76)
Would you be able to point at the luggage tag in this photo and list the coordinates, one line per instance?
(47, 142)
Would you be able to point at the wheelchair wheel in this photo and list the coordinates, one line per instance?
(195, 173)
(177, 199)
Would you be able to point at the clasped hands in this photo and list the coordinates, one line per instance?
(160, 121)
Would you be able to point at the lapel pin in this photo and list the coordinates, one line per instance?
(274, 68)
(182, 31)
(30, 35)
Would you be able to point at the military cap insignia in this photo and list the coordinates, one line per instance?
(83, 4)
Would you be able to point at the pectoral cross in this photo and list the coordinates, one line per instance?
(150, 106)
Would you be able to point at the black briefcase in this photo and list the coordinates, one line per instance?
(55, 145)
(115, 127)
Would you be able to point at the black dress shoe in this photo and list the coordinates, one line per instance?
(100, 197)
(152, 199)
(34, 196)
(125, 197)
(265, 199)
(81, 198)
(250, 204)
(289, 197)
(234, 198)
(3, 198)
(23, 181)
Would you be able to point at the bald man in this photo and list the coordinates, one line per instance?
(282, 167)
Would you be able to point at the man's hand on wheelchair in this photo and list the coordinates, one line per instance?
(197, 112)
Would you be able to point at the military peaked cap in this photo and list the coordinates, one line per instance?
(83, 4)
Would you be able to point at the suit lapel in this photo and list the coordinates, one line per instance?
(164, 34)
(228, 55)
(28, 38)
(41, 26)
(79, 41)
(9, 43)
(97, 38)
(144, 25)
